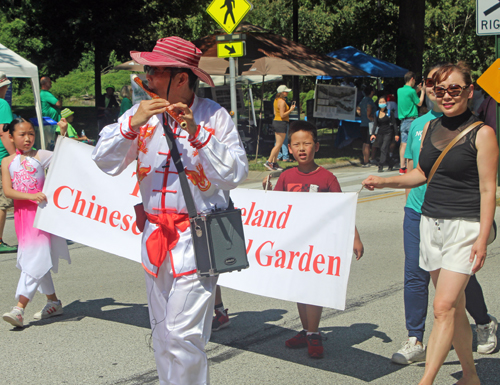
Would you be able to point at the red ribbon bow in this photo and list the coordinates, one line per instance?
(166, 235)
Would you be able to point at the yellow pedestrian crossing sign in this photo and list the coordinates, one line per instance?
(231, 49)
(229, 13)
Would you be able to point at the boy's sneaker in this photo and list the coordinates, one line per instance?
(221, 320)
(269, 166)
(51, 309)
(15, 317)
(410, 352)
(5, 248)
(277, 167)
(315, 346)
(487, 336)
(297, 342)
(402, 171)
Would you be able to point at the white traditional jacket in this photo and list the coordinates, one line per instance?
(214, 160)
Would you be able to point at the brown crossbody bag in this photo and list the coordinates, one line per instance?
(493, 231)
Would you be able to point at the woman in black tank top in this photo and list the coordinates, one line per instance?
(463, 189)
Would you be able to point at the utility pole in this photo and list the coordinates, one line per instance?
(295, 23)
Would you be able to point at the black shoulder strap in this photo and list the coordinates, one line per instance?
(176, 158)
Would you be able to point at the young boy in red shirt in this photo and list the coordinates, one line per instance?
(308, 177)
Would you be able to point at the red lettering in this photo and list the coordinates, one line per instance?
(257, 254)
(114, 215)
(317, 262)
(126, 223)
(269, 214)
(78, 200)
(308, 258)
(250, 242)
(243, 211)
(258, 220)
(250, 213)
(283, 218)
(135, 193)
(280, 262)
(56, 196)
(104, 215)
(91, 207)
(135, 230)
(293, 254)
(331, 261)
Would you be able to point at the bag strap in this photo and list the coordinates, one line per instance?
(448, 148)
(176, 158)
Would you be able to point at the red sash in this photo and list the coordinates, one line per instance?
(166, 235)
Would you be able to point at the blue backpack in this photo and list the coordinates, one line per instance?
(388, 113)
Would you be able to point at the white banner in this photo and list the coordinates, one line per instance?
(87, 206)
(299, 244)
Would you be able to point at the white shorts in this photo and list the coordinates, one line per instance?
(447, 243)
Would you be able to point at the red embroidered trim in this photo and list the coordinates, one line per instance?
(131, 135)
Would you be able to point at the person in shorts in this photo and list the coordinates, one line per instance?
(280, 125)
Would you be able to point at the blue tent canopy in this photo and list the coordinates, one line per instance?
(371, 65)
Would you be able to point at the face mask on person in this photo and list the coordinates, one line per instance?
(382, 105)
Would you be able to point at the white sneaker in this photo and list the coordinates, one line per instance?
(15, 317)
(410, 352)
(487, 336)
(52, 309)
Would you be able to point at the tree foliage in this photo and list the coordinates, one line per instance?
(75, 36)
(451, 35)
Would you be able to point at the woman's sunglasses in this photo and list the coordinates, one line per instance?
(453, 90)
(429, 82)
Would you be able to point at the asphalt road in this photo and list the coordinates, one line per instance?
(103, 336)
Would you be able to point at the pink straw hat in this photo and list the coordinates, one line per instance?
(174, 52)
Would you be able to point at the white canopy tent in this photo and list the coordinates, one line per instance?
(16, 66)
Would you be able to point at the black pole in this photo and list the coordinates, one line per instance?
(295, 22)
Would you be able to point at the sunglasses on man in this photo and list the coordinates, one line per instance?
(453, 90)
(149, 70)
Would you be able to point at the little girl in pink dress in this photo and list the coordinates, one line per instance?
(23, 177)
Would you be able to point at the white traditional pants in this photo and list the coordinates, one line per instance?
(27, 285)
(180, 312)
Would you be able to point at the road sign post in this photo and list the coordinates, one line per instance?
(497, 51)
(228, 14)
(488, 23)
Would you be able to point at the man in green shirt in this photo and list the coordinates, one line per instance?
(408, 101)
(51, 106)
(6, 148)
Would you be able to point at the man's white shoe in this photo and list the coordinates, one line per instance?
(487, 336)
(410, 352)
(51, 309)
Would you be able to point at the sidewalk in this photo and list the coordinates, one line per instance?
(257, 176)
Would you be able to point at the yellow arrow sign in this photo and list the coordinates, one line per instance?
(229, 13)
(234, 49)
(490, 81)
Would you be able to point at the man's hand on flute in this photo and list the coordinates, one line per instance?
(146, 110)
(185, 114)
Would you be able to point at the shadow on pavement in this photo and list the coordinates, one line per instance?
(105, 309)
(341, 355)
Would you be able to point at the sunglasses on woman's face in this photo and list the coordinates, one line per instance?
(429, 82)
(453, 90)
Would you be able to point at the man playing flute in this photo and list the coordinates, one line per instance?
(180, 302)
